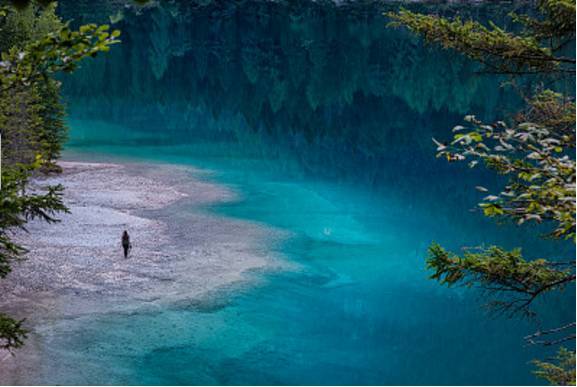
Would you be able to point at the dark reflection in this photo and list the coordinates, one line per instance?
(312, 74)
(311, 89)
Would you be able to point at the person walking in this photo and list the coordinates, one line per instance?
(126, 245)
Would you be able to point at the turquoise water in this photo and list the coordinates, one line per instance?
(320, 118)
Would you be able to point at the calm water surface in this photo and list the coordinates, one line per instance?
(321, 119)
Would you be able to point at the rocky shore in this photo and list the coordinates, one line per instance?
(182, 254)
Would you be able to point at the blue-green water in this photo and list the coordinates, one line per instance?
(321, 119)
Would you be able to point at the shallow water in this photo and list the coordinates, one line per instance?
(320, 118)
(359, 310)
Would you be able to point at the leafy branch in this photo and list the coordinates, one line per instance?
(58, 51)
(499, 50)
(507, 274)
(25, 68)
(534, 155)
(536, 152)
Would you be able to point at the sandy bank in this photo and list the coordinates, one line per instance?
(181, 254)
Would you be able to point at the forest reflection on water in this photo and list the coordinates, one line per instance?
(328, 87)
(322, 118)
(319, 91)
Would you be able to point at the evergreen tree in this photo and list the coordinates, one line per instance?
(54, 130)
(34, 44)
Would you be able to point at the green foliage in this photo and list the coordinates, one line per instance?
(35, 44)
(12, 334)
(505, 273)
(558, 22)
(58, 51)
(31, 117)
(16, 208)
(34, 22)
(54, 131)
(535, 153)
(21, 123)
(535, 150)
(500, 50)
(561, 371)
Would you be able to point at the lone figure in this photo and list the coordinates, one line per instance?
(126, 245)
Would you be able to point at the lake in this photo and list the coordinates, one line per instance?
(321, 118)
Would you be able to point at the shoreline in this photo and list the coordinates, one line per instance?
(183, 256)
